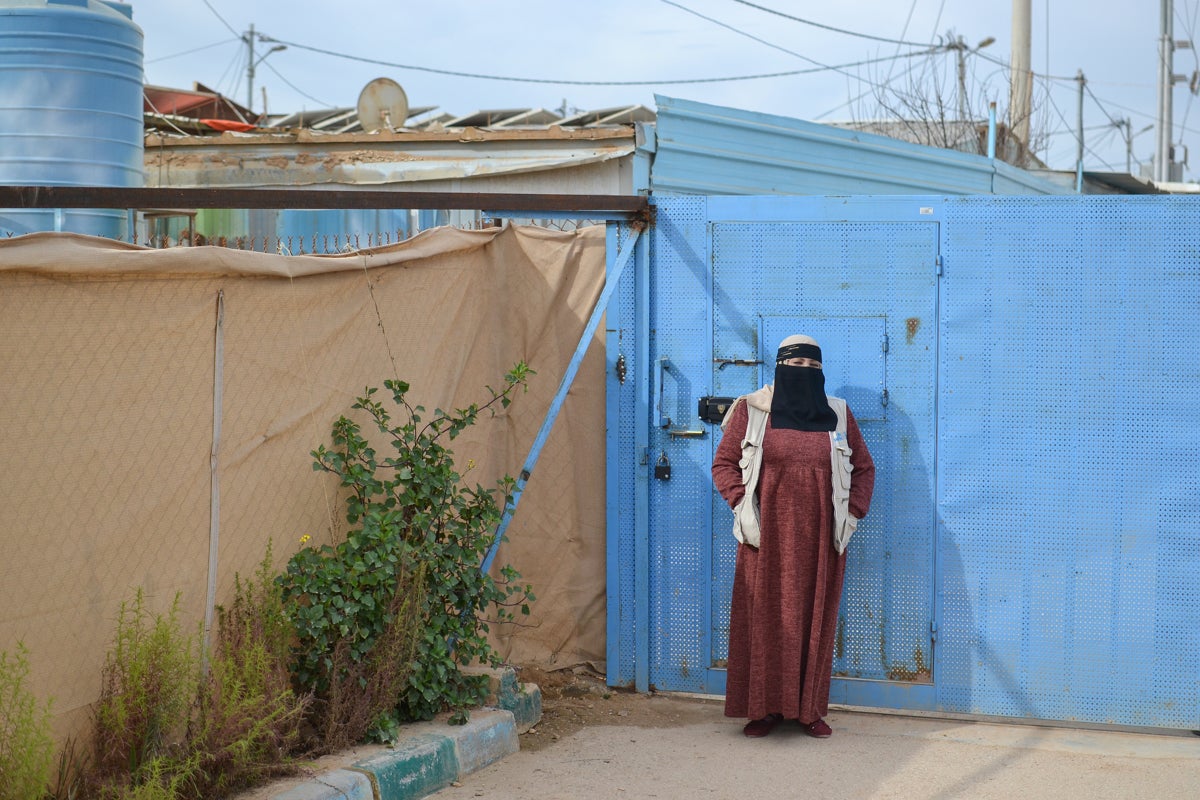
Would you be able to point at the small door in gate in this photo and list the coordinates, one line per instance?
(868, 294)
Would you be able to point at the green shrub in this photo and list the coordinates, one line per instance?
(414, 523)
(26, 744)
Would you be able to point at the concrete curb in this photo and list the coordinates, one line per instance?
(429, 756)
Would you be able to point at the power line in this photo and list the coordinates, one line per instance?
(560, 82)
(829, 27)
(887, 79)
(1111, 118)
(223, 22)
(861, 95)
(772, 45)
(296, 88)
(1086, 149)
(740, 32)
(193, 50)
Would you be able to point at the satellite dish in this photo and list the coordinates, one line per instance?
(382, 106)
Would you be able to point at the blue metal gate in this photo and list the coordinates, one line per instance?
(1024, 371)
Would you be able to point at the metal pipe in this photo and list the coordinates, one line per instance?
(991, 142)
(160, 197)
(1079, 134)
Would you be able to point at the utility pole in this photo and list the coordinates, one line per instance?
(1166, 51)
(1127, 126)
(252, 62)
(960, 48)
(1021, 89)
(248, 38)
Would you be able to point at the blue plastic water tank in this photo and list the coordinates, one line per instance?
(70, 107)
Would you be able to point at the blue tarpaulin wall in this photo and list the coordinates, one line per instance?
(1025, 372)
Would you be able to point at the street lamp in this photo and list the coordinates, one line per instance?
(961, 49)
(1126, 125)
(252, 62)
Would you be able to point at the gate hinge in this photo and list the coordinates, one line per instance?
(886, 343)
(933, 630)
(937, 262)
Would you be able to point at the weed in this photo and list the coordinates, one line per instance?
(148, 683)
(247, 718)
(26, 745)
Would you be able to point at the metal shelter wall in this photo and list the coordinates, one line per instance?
(1024, 371)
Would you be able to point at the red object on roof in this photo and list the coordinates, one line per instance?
(228, 125)
(202, 103)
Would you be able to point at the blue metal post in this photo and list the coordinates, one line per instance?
(641, 490)
(612, 472)
(535, 452)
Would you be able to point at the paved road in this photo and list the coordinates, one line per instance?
(870, 756)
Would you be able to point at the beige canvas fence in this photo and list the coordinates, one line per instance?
(159, 408)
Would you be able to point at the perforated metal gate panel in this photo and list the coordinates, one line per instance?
(1033, 547)
(1069, 499)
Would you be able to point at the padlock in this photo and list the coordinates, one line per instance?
(662, 469)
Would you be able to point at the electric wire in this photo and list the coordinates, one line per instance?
(294, 87)
(740, 32)
(887, 79)
(562, 82)
(223, 22)
(1145, 115)
(861, 95)
(1100, 105)
(829, 27)
(231, 78)
(937, 22)
(193, 50)
(1086, 149)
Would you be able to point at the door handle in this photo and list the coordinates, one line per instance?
(663, 420)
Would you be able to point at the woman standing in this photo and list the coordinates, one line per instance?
(790, 558)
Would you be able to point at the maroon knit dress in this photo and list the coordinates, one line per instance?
(783, 618)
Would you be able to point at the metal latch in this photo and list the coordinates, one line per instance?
(712, 409)
(662, 469)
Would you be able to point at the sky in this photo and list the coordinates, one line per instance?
(858, 53)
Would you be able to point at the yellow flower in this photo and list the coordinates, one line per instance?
(470, 463)
(304, 539)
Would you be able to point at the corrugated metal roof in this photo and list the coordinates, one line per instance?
(705, 149)
(345, 119)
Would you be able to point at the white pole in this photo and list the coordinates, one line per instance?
(249, 38)
(1021, 88)
(1166, 49)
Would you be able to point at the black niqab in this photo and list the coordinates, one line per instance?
(799, 400)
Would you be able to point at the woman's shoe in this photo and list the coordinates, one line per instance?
(757, 728)
(817, 730)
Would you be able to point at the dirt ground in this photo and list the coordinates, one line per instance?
(578, 698)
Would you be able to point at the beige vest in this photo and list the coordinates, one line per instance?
(746, 513)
